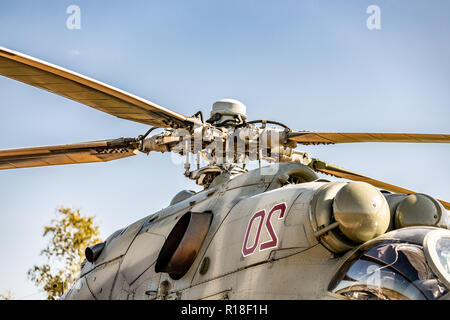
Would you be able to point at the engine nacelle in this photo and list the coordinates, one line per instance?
(350, 213)
(344, 215)
(416, 210)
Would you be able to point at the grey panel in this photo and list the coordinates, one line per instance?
(142, 254)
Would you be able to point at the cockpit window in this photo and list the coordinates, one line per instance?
(437, 251)
(392, 269)
(368, 280)
(443, 251)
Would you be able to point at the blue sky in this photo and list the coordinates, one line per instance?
(313, 65)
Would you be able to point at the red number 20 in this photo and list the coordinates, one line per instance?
(246, 250)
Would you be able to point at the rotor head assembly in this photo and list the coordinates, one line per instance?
(224, 141)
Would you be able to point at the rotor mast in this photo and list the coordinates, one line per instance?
(225, 141)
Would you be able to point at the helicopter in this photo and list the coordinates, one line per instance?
(275, 232)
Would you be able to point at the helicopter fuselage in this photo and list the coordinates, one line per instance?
(249, 236)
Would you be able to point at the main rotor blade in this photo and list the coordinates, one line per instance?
(327, 168)
(338, 137)
(85, 90)
(95, 151)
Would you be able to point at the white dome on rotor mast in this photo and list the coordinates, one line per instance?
(229, 110)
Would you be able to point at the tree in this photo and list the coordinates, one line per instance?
(7, 296)
(69, 234)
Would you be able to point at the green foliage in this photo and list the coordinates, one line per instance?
(7, 296)
(69, 235)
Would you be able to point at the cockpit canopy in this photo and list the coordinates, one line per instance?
(410, 263)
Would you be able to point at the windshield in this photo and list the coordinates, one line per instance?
(443, 251)
(391, 269)
(437, 250)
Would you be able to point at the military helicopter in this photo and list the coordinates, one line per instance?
(275, 232)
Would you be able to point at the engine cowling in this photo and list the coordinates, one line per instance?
(416, 210)
(346, 214)
(358, 211)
